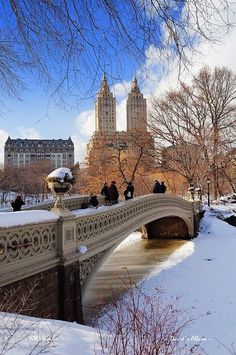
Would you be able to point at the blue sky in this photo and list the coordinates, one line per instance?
(36, 116)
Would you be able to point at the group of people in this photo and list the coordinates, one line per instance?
(159, 188)
(111, 193)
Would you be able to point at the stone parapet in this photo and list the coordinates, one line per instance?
(73, 202)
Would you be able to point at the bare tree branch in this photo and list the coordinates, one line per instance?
(69, 44)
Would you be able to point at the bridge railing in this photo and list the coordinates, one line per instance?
(24, 247)
(91, 226)
(73, 202)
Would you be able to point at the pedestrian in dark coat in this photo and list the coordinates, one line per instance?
(163, 187)
(157, 187)
(93, 201)
(129, 192)
(113, 193)
(105, 192)
(17, 204)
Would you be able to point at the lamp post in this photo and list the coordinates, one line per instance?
(208, 192)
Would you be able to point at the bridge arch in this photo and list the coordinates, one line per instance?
(155, 215)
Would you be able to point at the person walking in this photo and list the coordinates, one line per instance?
(129, 192)
(157, 187)
(105, 192)
(17, 204)
(163, 187)
(113, 193)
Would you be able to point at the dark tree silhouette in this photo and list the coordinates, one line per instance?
(68, 43)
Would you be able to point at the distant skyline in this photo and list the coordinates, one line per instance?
(32, 117)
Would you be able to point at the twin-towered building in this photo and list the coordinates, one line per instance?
(105, 120)
(105, 109)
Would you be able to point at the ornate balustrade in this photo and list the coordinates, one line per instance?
(25, 248)
(129, 213)
(73, 202)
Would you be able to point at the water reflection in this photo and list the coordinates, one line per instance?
(140, 257)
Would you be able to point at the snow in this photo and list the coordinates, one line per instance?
(82, 249)
(228, 198)
(201, 272)
(206, 282)
(11, 219)
(60, 173)
(92, 210)
(129, 241)
(35, 334)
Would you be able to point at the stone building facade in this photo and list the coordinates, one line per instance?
(24, 152)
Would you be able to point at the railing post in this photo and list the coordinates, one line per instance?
(66, 236)
(70, 299)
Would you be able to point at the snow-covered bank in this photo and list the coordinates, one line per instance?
(206, 281)
(27, 335)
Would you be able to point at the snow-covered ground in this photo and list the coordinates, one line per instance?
(21, 335)
(206, 281)
(202, 273)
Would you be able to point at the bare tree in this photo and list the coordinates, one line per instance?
(227, 172)
(135, 150)
(6, 184)
(198, 121)
(184, 158)
(69, 42)
(137, 323)
(26, 180)
(124, 157)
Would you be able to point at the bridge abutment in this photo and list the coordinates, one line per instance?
(54, 293)
(36, 295)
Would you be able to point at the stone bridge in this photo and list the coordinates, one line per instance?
(47, 253)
